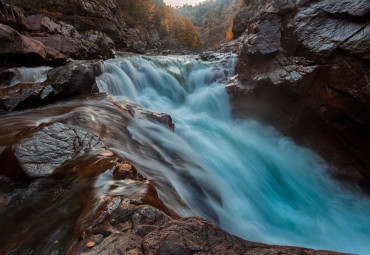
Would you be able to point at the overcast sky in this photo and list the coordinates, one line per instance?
(181, 2)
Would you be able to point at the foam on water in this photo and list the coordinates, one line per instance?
(271, 190)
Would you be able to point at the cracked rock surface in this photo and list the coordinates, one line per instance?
(39, 153)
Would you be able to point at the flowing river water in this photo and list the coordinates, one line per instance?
(247, 178)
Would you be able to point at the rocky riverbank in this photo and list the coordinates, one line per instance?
(304, 68)
(59, 153)
(60, 139)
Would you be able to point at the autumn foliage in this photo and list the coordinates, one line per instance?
(213, 19)
(155, 14)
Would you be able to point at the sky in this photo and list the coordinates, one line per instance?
(181, 2)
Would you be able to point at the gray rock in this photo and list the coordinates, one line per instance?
(43, 150)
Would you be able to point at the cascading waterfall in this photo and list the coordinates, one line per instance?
(270, 189)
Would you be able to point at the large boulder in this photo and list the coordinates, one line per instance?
(18, 49)
(42, 150)
(304, 68)
(76, 78)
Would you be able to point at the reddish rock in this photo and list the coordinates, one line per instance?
(145, 230)
(198, 236)
(19, 49)
(12, 16)
(126, 170)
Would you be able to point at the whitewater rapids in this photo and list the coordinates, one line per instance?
(254, 182)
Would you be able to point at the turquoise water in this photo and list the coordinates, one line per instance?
(252, 181)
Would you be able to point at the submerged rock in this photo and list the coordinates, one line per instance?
(303, 67)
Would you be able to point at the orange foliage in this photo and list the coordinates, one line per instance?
(229, 33)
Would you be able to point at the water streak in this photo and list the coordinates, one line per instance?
(30, 75)
(271, 190)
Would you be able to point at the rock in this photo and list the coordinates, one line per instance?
(162, 118)
(69, 46)
(33, 152)
(85, 39)
(98, 45)
(84, 15)
(126, 170)
(304, 68)
(24, 95)
(74, 79)
(192, 235)
(207, 56)
(12, 16)
(19, 49)
(41, 23)
(197, 236)
(6, 77)
(240, 23)
(243, 18)
(40, 151)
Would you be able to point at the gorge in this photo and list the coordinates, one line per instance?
(125, 155)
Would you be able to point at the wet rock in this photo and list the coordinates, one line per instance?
(23, 95)
(149, 216)
(74, 79)
(192, 235)
(303, 67)
(198, 236)
(6, 77)
(39, 152)
(162, 118)
(126, 170)
(207, 56)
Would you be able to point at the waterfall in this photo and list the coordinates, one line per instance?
(254, 182)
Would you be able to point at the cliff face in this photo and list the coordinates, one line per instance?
(49, 32)
(304, 68)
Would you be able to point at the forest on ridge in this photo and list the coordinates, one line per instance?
(156, 14)
(213, 20)
(202, 26)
